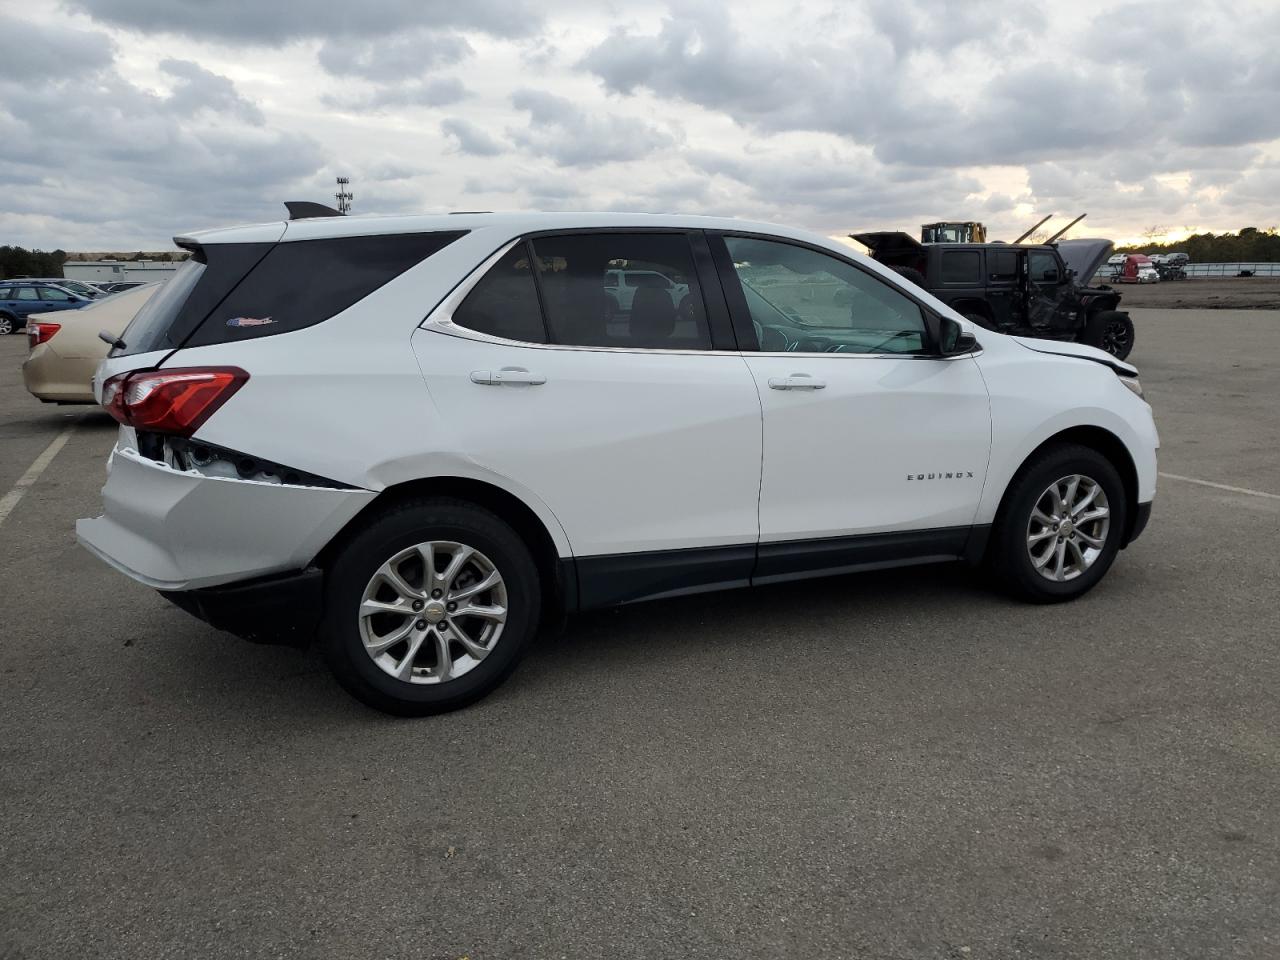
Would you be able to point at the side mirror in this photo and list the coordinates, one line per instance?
(954, 339)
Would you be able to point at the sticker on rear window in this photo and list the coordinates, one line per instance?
(249, 321)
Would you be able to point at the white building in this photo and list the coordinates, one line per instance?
(109, 270)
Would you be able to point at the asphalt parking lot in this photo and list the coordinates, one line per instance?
(897, 765)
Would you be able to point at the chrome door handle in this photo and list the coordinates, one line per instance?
(797, 381)
(507, 375)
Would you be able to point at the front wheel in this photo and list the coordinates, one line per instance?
(1060, 526)
(429, 608)
(1110, 330)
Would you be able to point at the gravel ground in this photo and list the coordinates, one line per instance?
(898, 765)
(1229, 293)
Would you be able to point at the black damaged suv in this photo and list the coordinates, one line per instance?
(1031, 290)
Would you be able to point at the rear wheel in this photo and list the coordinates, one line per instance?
(7, 325)
(429, 608)
(1110, 330)
(1060, 526)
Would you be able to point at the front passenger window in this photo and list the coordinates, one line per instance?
(803, 301)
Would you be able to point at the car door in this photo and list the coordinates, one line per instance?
(51, 298)
(875, 450)
(641, 433)
(23, 301)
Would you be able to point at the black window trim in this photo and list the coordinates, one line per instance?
(742, 316)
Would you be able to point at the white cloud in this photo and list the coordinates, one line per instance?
(131, 120)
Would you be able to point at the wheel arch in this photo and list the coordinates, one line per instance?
(1104, 442)
(559, 580)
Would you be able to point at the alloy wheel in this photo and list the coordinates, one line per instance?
(1068, 528)
(433, 612)
(6, 326)
(1115, 338)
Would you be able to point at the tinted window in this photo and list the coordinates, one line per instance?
(960, 266)
(52, 293)
(24, 293)
(659, 305)
(305, 282)
(150, 327)
(809, 302)
(1044, 267)
(505, 301)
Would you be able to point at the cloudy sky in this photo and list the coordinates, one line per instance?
(127, 121)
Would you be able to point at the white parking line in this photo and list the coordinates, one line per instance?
(28, 479)
(1209, 483)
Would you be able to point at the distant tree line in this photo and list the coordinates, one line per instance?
(21, 262)
(1248, 246)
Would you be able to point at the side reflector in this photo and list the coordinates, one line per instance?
(176, 402)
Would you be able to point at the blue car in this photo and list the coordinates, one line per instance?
(18, 298)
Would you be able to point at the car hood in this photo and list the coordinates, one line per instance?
(884, 242)
(1085, 256)
(1062, 348)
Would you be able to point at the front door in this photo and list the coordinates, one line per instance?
(869, 441)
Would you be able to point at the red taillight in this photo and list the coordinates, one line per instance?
(39, 332)
(176, 402)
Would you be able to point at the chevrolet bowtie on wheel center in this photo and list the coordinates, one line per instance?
(416, 440)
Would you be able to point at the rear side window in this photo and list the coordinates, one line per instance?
(304, 282)
(961, 266)
(505, 301)
(658, 306)
(264, 288)
(25, 293)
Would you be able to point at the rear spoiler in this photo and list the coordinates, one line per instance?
(307, 210)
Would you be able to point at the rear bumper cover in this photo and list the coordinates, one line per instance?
(179, 531)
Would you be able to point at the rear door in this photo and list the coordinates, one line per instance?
(874, 450)
(638, 427)
(24, 300)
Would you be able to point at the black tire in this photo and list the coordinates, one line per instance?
(1110, 330)
(8, 324)
(910, 273)
(401, 527)
(1007, 554)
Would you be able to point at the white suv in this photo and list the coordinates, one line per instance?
(418, 438)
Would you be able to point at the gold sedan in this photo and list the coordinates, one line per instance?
(65, 348)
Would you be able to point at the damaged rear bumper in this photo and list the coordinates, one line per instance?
(179, 530)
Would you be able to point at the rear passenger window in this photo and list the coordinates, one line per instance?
(658, 305)
(25, 293)
(304, 282)
(505, 301)
(961, 266)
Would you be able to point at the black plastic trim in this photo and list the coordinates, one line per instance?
(629, 577)
(608, 580)
(793, 559)
(282, 609)
(1141, 516)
